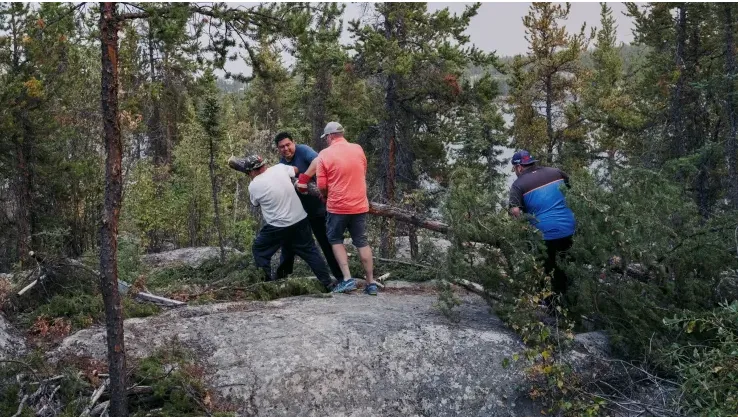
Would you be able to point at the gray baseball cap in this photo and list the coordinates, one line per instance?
(332, 127)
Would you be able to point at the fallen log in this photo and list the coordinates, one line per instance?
(95, 397)
(385, 210)
(122, 285)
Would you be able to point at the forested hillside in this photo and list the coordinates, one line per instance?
(646, 132)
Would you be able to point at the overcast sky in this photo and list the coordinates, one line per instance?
(496, 27)
(499, 26)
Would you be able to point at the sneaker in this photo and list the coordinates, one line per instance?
(371, 289)
(345, 286)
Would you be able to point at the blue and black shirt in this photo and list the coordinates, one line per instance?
(538, 192)
(302, 159)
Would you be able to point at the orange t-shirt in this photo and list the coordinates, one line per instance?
(342, 170)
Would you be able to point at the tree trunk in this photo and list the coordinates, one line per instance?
(153, 125)
(549, 118)
(389, 137)
(22, 183)
(23, 200)
(386, 244)
(109, 25)
(412, 237)
(214, 187)
(384, 210)
(321, 93)
(678, 148)
(731, 147)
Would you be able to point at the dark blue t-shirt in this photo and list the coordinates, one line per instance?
(538, 192)
(302, 159)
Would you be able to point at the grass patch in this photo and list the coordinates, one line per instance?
(238, 270)
(176, 379)
(81, 311)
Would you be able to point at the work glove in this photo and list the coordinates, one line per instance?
(302, 184)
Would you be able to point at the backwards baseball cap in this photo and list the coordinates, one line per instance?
(523, 157)
(332, 127)
(253, 162)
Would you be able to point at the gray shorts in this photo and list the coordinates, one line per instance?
(336, 224)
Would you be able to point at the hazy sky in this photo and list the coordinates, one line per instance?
(497, 27)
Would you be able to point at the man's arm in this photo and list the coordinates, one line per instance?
(566, 178)
(252, 197)
(322, 180)
(313, 168)
(516, 201)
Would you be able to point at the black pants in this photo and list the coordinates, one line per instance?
(554, 248)
(298, 239)
(287, 259)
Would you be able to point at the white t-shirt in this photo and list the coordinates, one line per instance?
(274, 192)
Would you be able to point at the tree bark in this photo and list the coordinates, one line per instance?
(109, 25)
(389, 137)
(154, 125)
(386, 244)
(22, 183)
(216, 208)
(23, 200)
(321, 93)
(731, 146)
(549, 118)
(412, 237)
(678, 145)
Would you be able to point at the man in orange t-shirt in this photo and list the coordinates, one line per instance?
(341, 173)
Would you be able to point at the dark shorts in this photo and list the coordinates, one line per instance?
(336, 224)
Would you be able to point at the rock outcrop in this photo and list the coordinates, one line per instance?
(345, 355)
(193, 257)
(11, 344)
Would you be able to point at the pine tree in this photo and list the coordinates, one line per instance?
(320, 58)
(209, 118)
(606, 102)
(417, 57)
(729, 14)
(678, 91)
(549, 77)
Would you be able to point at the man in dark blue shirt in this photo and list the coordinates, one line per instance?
(300, 156)
(537, 192)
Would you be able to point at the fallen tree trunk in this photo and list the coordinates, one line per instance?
(385, 210)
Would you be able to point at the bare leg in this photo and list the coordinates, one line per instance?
(365, 254)
(342, 258)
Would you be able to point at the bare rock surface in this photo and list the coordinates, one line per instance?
(193, 257)
(11, 343)
(345, 355)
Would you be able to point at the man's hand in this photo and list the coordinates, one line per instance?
(302, 184)
(515, 212)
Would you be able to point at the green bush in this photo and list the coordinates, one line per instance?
(642, 253)
(705, 358)
(83, 310)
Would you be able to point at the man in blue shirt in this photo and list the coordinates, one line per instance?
(300, 156)
(537, 192)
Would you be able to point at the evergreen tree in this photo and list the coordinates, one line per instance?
(417, 58)
(680, 90)
(607, 104)
(210, 109)
(547, 81)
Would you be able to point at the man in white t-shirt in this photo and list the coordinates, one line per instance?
(286, 221)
